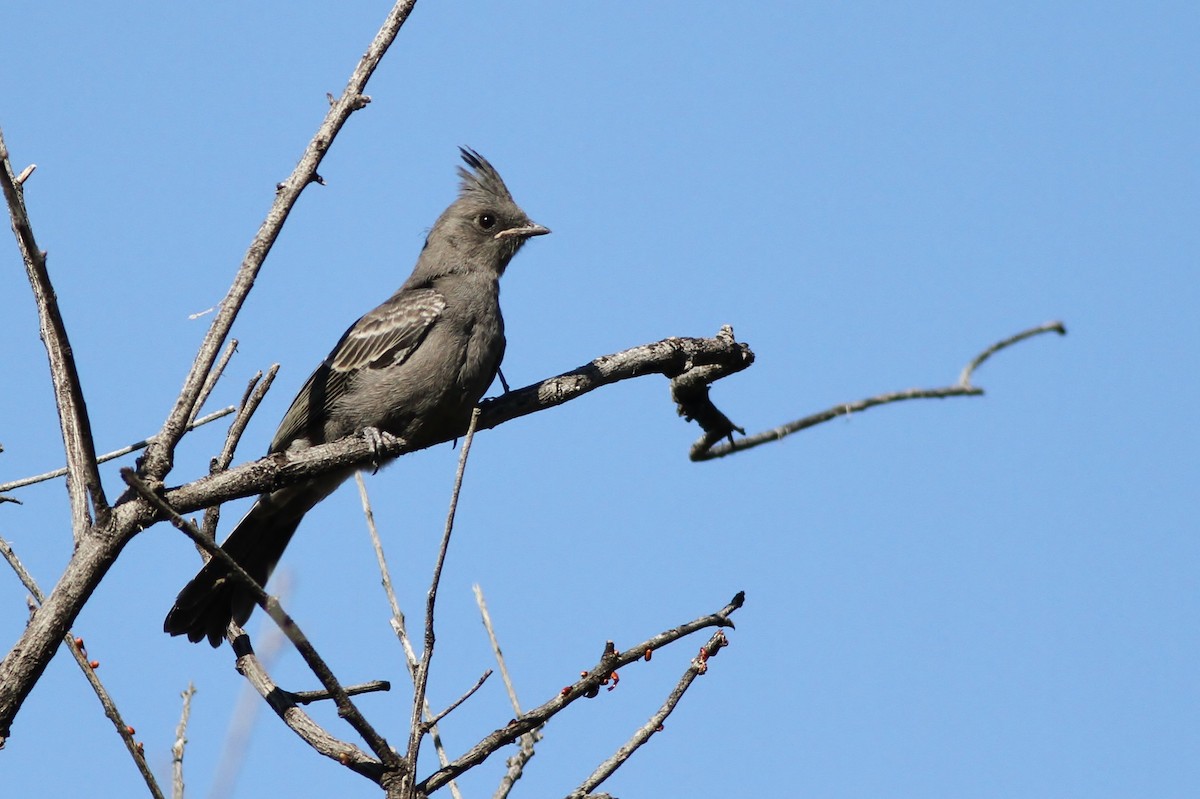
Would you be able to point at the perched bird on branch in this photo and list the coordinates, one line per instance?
(414, 367)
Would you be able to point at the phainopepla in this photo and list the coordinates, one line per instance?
(414, 367)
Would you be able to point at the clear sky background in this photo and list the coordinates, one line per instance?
(987, 597)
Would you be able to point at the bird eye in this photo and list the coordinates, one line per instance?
(487, 221)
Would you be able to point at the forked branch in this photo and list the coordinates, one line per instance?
(704, 449)
(587, 686)
(83, 475)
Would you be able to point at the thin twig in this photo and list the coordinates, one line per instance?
(88, 667)
(250, 666)
(698, 666)
(704, 450)
(451, 707)
(27, 660)
(346, 708)
(588, 685)
(417, 729)
(671, 357)
(964, 379)
(385, 574)
(181, 742)
(515, 764)
(256, 390)
(308, 697)
(210, 382)
(160, 454)
(481, 603)
(83, 477)
(116, 453)
(397, 621)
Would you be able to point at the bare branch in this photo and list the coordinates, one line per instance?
(256, 389)
(308, 697)
(346, 708)
(421, 680)
(698, 666)
(83, 478)
(385, 575)
(481, 603)
(160, 455)
(181, 742)
(516, 763)
(429, 723)
(313, 734)
(88, 667)
(964, 379)
(116, 453)
(210, 382)
(398, 624)
(672, 357)
(24, 664)
(587, 686)
(704, 450)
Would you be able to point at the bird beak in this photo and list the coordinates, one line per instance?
(523, 232)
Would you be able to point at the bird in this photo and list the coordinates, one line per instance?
(414, 367)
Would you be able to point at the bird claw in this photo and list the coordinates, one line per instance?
(377, 439)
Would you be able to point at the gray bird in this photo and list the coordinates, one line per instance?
(414, 367)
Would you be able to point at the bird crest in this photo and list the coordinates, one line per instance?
(483, 182)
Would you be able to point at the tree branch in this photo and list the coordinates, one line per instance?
(26, 661)
(516, 763)
(299, 722)
(417, 728)
(346, 708)
(587, 686)
(160, 455)
(180, 744)
(672, 357)
(698, 666)
(83, 476)
(108, 456)
(704, 450)
(398, 624)
(88, 667)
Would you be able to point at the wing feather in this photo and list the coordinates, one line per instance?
(384, 337)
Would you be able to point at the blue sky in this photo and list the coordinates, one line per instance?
(970, 597)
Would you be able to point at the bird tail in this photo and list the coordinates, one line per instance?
(215, 597)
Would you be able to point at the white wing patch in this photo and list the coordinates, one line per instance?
(388, 335)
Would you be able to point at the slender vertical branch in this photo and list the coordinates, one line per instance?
(88, 668)
(397, 621)
(346, 708)
(516, 763)
(210, 382)
(417, 728)
(180, 743)
(27, 660)
(83, 475)
(160, 454)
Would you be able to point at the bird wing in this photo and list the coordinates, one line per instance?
(384, 337)
(388, 335)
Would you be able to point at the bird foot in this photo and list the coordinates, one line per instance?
(378, 439)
